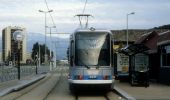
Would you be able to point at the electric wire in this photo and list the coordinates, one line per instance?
(83, 11)
(50, 13)
(84, 7)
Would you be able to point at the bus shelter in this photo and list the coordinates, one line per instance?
(138, 64)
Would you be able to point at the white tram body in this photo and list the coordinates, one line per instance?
(90, 58)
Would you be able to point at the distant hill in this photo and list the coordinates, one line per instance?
(61, 43)
(163, 27)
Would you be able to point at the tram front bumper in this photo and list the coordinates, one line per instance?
(90, 81)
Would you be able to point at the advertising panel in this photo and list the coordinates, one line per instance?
(122, 63)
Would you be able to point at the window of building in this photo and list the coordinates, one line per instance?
(166, 56)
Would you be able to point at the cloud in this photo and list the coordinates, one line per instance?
(109, 14)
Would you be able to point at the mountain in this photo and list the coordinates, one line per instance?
(61, 43)
(163, 27)
(32, 38)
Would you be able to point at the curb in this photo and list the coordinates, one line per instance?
(24, 83)
(123, 93)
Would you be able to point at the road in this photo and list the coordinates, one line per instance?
(55, 87)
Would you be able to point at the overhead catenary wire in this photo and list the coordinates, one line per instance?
(50, 13)
(82, 15)
(84, 7)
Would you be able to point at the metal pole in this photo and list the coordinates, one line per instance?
(55, 47)
(50, 46)
(50, 49)
(55, 53)
(45, 12)
(45, 55)
(18, 36)
(127, 34)
(19, 61)
(36, 64)
(39, 56)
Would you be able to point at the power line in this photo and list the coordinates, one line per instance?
(83, 11)
(84, 6)
(50, 13)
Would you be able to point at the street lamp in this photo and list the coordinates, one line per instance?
(127, 37)
(18, 37)
(50, 43)
(55, 53)
(45, 12)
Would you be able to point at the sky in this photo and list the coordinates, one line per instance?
(108, 14)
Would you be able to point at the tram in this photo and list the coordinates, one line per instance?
(90, 58)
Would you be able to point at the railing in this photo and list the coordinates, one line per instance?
(8, 73)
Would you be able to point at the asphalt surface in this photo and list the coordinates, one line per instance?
(55, 87)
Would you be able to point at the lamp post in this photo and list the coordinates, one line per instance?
(127, 37)
(36, 69)
(39, 55)
(38, 59)
(50, 44)
(45, 12)
(18, 37)
(55, 53)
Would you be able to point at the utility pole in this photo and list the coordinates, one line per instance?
(45, 12)
(127, 34)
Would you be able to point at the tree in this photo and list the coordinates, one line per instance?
(35, 51)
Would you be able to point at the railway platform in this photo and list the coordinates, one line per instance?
(14, 85)
(155, 91)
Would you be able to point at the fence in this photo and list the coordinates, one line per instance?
(8, 73)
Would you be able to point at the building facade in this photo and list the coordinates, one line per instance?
(10, 46)
(164, 51)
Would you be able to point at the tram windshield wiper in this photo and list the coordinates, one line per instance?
(84, 64)
(97, 66)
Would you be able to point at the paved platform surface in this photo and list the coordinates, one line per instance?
(155, 91)
(14, 85)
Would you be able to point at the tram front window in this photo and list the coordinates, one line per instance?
(92, 49)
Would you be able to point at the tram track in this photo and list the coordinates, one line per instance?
(62, 92)
(111, 95)
(45, 98)
(54, 87)
(41, 91)
(98, 94)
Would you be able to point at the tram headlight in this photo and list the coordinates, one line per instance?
(79, 77)
(106, 77)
